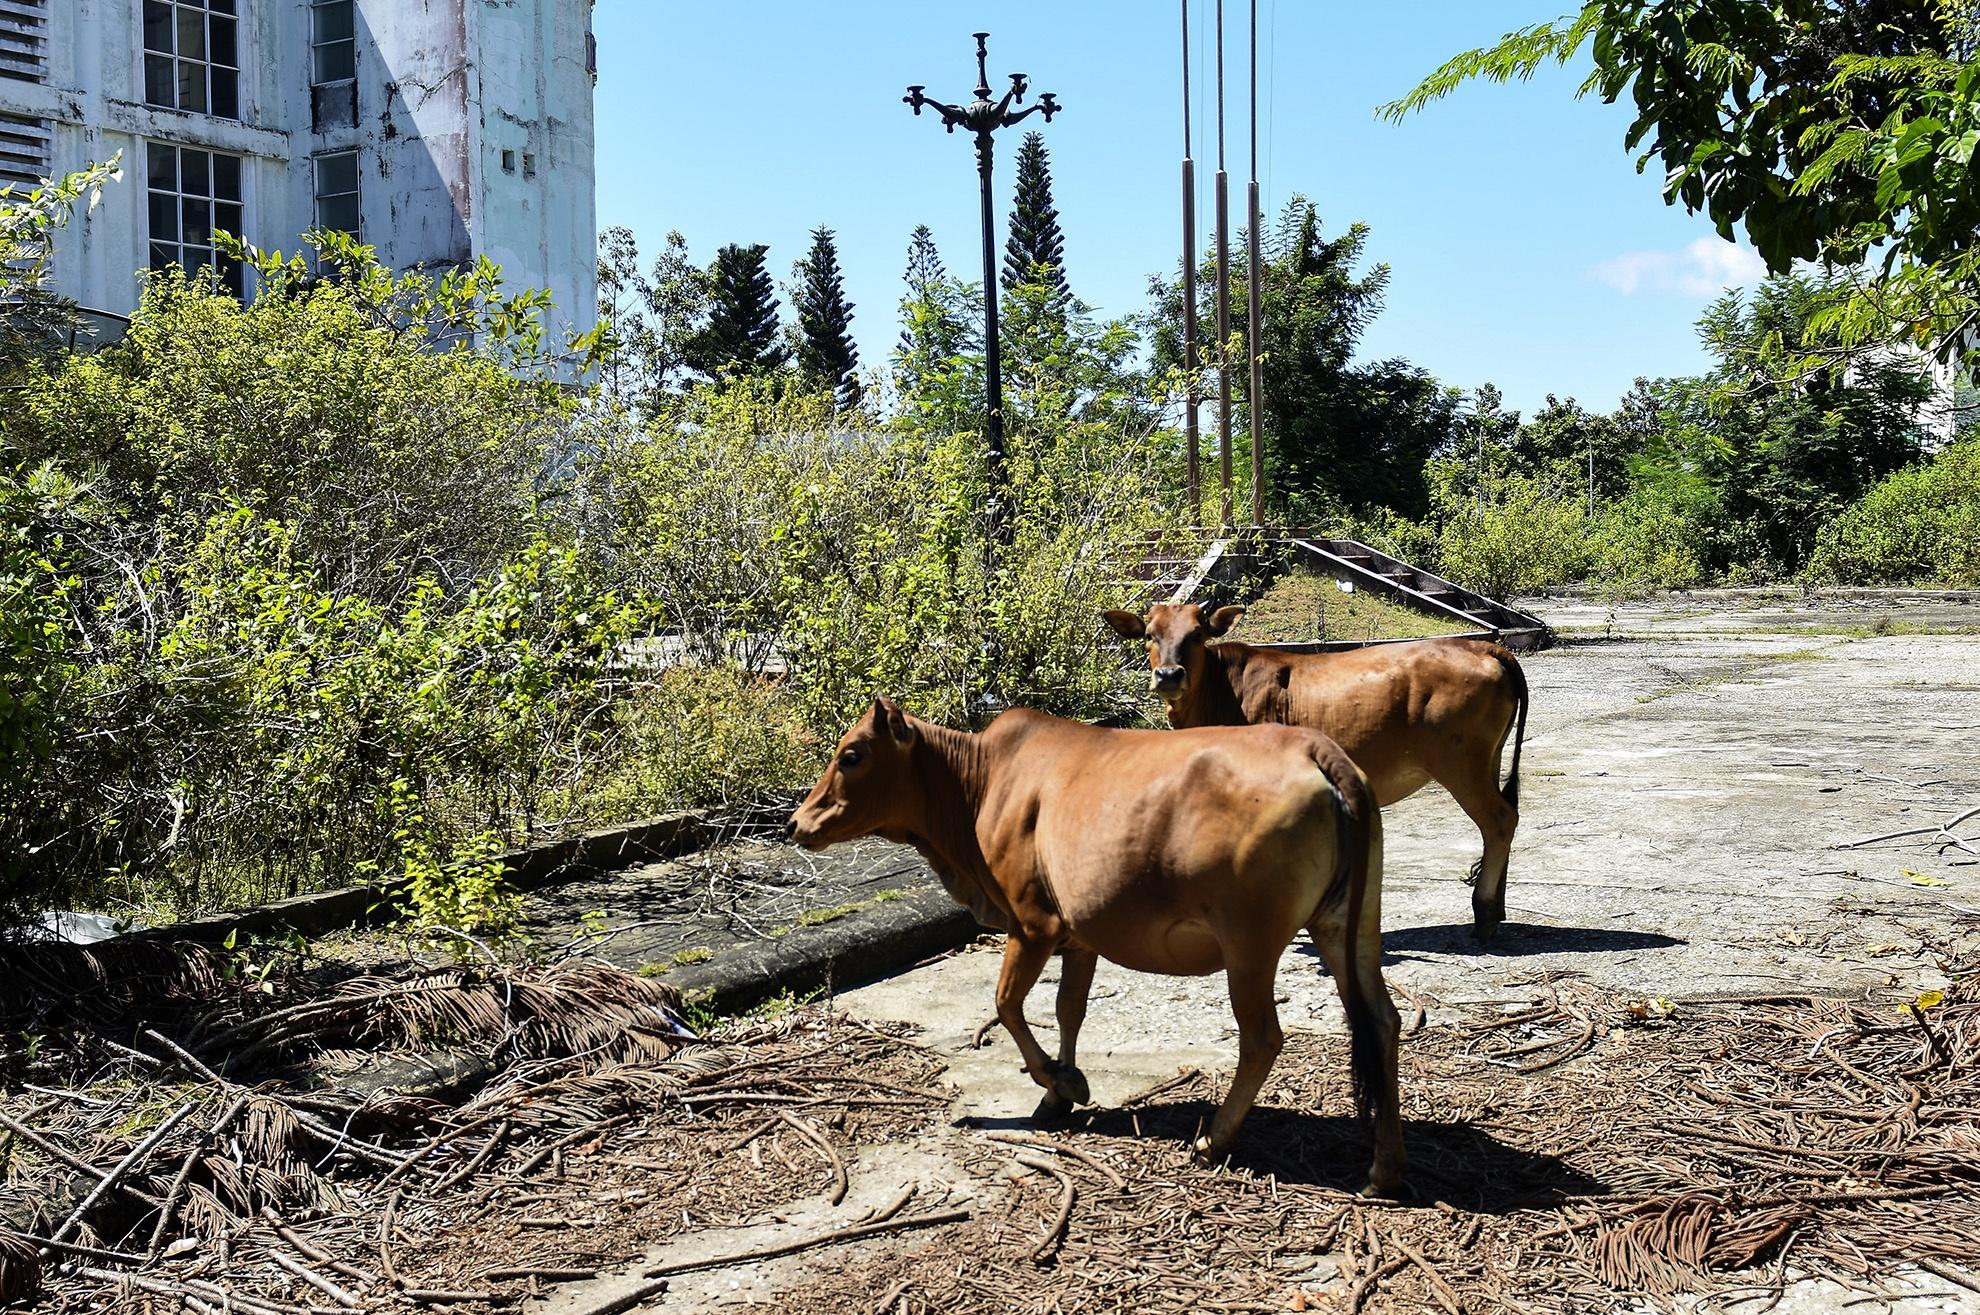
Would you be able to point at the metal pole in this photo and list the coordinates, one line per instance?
(983, 117)
(1254, 276)
(993, 365)
(1481, 466)
(1591, 473)
(1223, 288)
(1191, 420)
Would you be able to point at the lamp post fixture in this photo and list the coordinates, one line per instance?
(983, 117)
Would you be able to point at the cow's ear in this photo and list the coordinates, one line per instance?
(1223, 619)
(1128, 625)
(895, 720)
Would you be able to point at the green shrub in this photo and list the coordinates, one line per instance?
(1647, 540)
(1532, 533)
(338, 585)
(694, 736)
(1919, 526)
(283, 603)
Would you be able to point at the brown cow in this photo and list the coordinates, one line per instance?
(1166, 852)
(1408, 714)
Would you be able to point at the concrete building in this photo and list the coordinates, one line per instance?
(435, 130)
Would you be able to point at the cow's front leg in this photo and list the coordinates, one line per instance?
(1069, 1086)
(1024, 959)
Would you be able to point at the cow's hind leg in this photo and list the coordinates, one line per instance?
(1377, 1011)
(1069, 1086)
(1477, 793)
(1249, 972)
(1024, 960)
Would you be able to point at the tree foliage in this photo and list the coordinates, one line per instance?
(34, 321)
(1035, 251)
(1835, 130)
(741, 333)
(1339, 434)
(826, 355)
(939, 316)
(654, 314)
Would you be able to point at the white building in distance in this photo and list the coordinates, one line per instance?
(437, 131)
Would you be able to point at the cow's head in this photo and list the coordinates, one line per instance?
(870, 788)
(1178, 635)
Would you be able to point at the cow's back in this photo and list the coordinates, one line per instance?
(1394, 708)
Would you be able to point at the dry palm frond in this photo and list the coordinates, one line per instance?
(270, 1132)
(20, 1271)
(586, 1008)
(58, 979)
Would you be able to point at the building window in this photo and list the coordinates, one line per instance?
(337, 191)
(192, 56)
(333, 40)
(24, 40)
(26, 151)
(192, 193)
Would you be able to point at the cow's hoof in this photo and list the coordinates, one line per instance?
(1383, 1187)
(1483, 930)
(1052, 1108)
(1070, 1084)
(1205, 1153)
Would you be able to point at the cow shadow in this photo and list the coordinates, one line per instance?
(1518, 938)
(1513, 940)
(1459, 1163)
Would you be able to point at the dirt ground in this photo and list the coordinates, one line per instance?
(1690, 771)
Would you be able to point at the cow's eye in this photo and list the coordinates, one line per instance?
(849, 758)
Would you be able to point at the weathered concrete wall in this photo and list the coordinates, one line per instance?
(533, 99)
(417, 186)
(443, 89)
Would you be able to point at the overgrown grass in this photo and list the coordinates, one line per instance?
(1307, 606)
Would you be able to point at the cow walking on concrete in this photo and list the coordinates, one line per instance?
(1166, 852)
(1408, 714)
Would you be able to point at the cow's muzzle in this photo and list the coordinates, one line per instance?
(1168, 680)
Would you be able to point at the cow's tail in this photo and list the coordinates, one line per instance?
(1517, 675)
(1356, 819)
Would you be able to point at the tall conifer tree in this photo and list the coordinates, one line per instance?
(1036, 249)
(825, 352)
(935, 315)
(741, 334)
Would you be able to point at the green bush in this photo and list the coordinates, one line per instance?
(766, 527)
(1919, 526)
(694, 736)
(285, 602)
(346, 583)
(1647, 540)
(1531, 534)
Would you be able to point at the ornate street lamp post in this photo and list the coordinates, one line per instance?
(983, 117)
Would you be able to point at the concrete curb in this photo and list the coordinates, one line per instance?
(868, 943)
(528, 869)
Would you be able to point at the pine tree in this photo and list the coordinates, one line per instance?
(924, 277)
(741, 334)
(935, 315)
(825, 352)
(1035, 252)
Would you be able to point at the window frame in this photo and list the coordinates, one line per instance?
(356, 193)
(183, 204)
(182, 72)
(318, 43)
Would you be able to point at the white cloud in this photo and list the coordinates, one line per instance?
(1701, 269)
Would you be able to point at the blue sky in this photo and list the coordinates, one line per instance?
(1526, 251)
